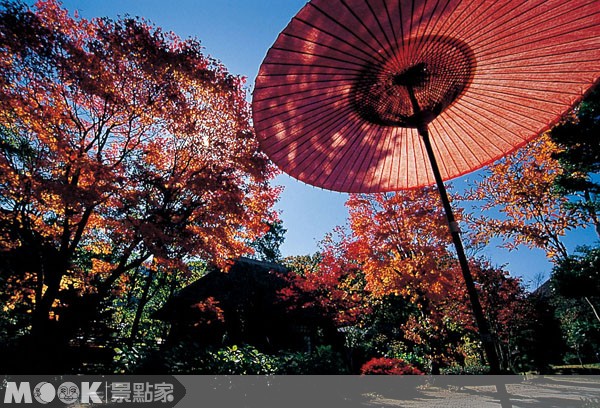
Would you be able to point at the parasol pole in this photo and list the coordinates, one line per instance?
(482, 325)
(484, 331)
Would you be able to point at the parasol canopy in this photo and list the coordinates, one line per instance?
(342, 93)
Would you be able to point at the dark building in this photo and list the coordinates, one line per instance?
(243, 306)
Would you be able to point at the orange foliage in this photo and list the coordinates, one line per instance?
(208, 312)
(517, 201)
(399, 244)
(401, 241)
(122, 143)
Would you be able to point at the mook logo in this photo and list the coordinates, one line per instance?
(45, 392)
(91, 390)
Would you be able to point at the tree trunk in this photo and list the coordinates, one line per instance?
(593, 308)
(140, 308)
(52, 269)
(48, 342)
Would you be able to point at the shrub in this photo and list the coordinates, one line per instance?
(467, 370)
(242, 360)
(388, 366)
(323, 360)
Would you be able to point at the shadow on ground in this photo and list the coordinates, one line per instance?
(394, 391)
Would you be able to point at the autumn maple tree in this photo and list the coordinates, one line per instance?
(397, 252)
(516, 201)
(121, 145)
(401, 240)
(541, 192)
(400, 243)
(330, 282)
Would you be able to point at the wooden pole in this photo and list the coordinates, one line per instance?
(484, 331)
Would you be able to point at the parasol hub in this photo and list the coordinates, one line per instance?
(412, 77)
(422, 79)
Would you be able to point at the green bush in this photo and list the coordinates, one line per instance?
(323, 360)
(127, 359)
(413, 359)
(468, 370)
(245, 359)
(241, 360)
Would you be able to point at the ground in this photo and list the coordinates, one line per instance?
(392, 391)
(543, 392)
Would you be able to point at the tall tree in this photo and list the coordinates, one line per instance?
(396, 252)
(542, 191)
(119, 144)
(577, 278)
(268, 247)
(578, 137)
(401, 241)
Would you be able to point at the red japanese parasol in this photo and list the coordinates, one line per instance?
(375, 95)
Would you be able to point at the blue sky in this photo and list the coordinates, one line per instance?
(239, 33)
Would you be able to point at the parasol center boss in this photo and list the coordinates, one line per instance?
(410, 86)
